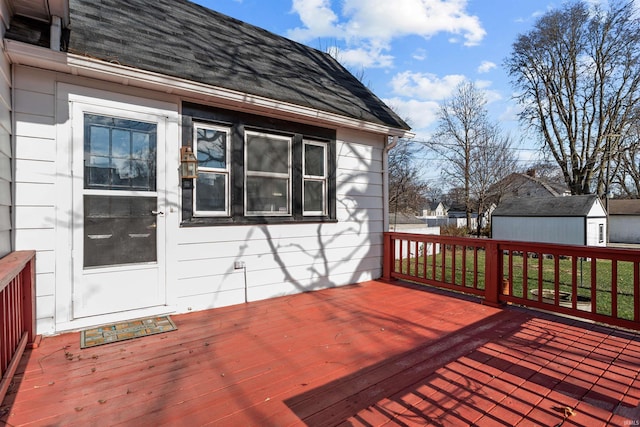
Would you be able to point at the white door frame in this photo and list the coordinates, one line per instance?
(69, 97)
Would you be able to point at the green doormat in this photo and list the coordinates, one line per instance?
(125, 331)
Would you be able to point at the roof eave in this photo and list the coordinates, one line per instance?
(26, 54)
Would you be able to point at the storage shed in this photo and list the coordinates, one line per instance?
(571, 220)
(624, 221)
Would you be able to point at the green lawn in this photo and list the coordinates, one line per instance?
(602, 282)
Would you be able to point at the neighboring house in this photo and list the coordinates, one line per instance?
(526, 185)
(624, 221)
(573, 220)
(106, 97)
(435, 210)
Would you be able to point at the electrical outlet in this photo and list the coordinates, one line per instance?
(238, 265)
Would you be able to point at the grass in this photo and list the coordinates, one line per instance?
(540, 275)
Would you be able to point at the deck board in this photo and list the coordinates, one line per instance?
(364, 355)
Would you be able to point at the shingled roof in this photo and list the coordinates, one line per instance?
(546, 206)
(182, 39)
(624, 207)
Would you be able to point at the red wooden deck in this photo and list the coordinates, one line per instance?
(363, 355)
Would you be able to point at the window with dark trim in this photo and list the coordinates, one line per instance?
(314, 188)
(254, 169)
(211, 188)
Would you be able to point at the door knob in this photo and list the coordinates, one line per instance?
(156, 213)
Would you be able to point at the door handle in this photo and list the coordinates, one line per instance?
(157, 213)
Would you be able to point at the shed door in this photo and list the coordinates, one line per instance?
(118, 230)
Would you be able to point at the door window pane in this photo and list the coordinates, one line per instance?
(119, 230)
(119, 154)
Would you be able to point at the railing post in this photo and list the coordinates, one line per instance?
(29, 301)
(492, 274)
(388, 252)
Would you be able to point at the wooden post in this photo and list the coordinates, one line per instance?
(29, 300)
(492, 275)
(388, 252)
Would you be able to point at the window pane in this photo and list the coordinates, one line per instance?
(314, 196)
(211, 148)
(119, 230)
(99, 140)
(314, 160)
(266, 154)
(267, 195)
(121, 143)
(211, 192)
(119, 154)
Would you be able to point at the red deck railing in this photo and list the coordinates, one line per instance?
(17, 312)
(595, 283)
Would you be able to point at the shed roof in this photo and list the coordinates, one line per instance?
(546, 206)
(405, 218)
(184, 40)
(624, 206)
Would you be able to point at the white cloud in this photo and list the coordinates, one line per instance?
(486, 66)
(420, 114)
(377, 22)
(425, 86)
(419, 54)
(366, 56)
(318, 18)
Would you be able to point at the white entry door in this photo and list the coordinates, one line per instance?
(118, 210)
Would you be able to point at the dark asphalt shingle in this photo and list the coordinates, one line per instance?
(546, 206)
(182, 39)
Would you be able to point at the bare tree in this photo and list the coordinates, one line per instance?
(492, 160)
(471, 146)
(627, 175)
(578, 73)
(407, 189)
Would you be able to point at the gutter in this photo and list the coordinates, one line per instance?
(25, 54)
(385, 181)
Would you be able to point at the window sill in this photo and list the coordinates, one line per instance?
(216, 222)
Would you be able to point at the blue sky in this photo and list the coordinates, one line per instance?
(412, 53)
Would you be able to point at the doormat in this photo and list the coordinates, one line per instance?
(125, 331)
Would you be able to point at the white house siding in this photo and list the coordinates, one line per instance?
(560, 230)
(286, 259)
(624, 229)
(278, 259)
(5, 142)
(596, 237)
(35, 177)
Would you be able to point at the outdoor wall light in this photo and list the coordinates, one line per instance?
(188, 163)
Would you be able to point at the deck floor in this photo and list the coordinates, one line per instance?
(364, 355)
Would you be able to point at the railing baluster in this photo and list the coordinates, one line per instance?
(464, 266)
(525, 274)
(567, 274)
(614, 288)
(540, 277)
(556, 278)
(636, 291)
(594, 286)
(453, 265)
(574, 282)
(417, 255)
